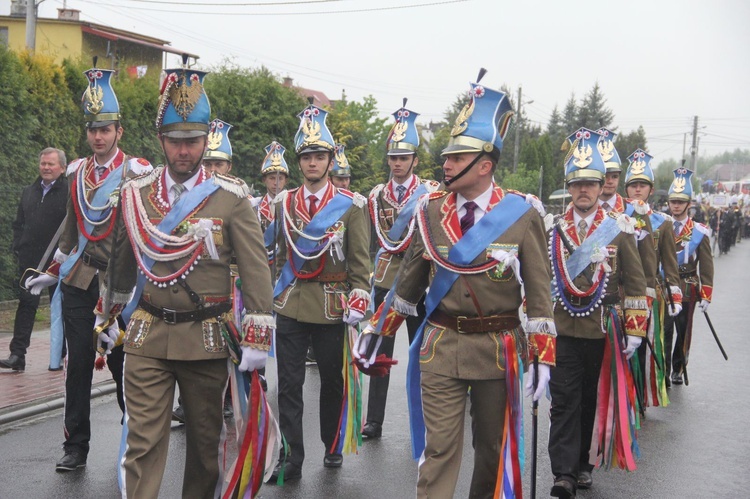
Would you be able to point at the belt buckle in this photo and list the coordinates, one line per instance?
(458, 322)
(169, 316)
(575, 300)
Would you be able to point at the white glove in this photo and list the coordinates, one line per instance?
(252, 359)
(35, 285)
(633, 343)
(107, 339)
(703, 306)
(352, 317)
(363, 344)
(542, 382)
(673, 311)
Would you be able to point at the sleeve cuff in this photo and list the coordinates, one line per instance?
(392, 322)
(359, 300)
(53, 269)
(676, 293)
(707, 292)
(636, 321)
(543, 345)
(257, 329)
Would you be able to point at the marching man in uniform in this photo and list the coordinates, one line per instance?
(181, 228)
(600, 316)
(322, 285)
(392, 206)
(696, 267)
(274, 173)
(81, 260)
(639, 184)
(477, 247)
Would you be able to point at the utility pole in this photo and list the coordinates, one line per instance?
(541, 180)
(684, 142)
(519, 125)
(31, 25)
(694, 148)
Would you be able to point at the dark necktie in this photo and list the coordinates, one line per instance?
(177, 190)
(583, 229)
(100, 171)
(606, 206)
(467, 221)
(313, 205)
(677, 228)
(401, 191)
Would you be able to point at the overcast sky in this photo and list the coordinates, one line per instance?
(658, 62)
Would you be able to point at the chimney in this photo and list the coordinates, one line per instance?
(288, 81)
(68, 14)
(18, 8)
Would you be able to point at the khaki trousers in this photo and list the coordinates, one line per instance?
(149, 396)
(444, 405)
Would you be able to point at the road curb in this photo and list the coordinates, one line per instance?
(52, 403)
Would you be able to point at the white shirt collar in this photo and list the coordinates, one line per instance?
(188, 184)
(611, 201)
(482, 201)
(319, 193)
(406, 184)
(577, 219)
(97, 165)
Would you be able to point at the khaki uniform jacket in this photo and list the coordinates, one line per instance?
(388, 210)
(666, 253)
(644, 235)
(316, 301)
(82, 274)
(627, 285)
(698, 271)
(235, 231)
(496, 292)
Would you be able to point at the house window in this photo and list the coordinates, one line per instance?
(4, 35)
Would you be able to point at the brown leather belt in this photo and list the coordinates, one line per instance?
(170, 316)
(93, 261)
(463, 324)
(607, 299)
(330, 277)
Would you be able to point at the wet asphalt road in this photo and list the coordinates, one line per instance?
(698, 447)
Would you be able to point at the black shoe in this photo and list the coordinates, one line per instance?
(291, 472)
(58, 368)
(71, 461)
(15, 362)
(585, 481)
(563, 489)
(263, 382)
(178, 414)
(677, 378)
(372, 431)
(333, 460)
(668, 382)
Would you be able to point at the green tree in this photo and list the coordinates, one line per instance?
(593, 112)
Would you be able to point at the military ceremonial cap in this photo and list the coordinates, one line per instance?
(219, 146)
(608, 150)
(483, 123)
(341, 166)
(639, 169)
(313, 134)
(184, 109)
(583, 160)
(274, 161)
(682, 185)
(100, 106)
(404, 136)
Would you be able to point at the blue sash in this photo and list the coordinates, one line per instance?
(683, 256)
(491, 227)
(101, 196)
(268, 235)
(322, 220)
(398, 227)
(656, 220)
(601, 237)
(179, 212)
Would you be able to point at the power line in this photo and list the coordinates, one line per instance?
(266, 14)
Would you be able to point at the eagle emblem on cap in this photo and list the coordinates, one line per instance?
(582, 156)
(679, 184)
(93, 97)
